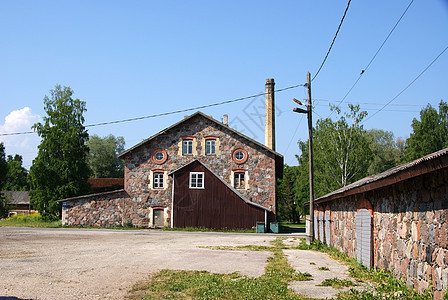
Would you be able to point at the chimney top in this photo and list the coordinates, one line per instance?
(270, 81)
(225, 119)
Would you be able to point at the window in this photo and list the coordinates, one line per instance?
(196, 180)
(159, 156)
(187, 146)
(210, 147)
(239, 156)
(158, 180)
(239, 180)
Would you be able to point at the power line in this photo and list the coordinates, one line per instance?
(374, 56)
(171, 112)
(372, 103)
(402, 91)
(334, 39)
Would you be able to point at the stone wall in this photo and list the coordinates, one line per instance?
(410, 229)
(260, 165)
(101, 210)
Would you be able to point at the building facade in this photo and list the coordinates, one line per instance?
(233, 177)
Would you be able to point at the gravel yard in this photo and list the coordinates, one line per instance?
(104, 264)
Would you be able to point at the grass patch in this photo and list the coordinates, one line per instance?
(169, 284)
(31, 220)
(191, 229)
(293, 225)
(385, 285)
(337, 283)
(323, 269)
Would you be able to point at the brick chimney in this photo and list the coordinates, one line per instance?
(269, 136)
(225, 119)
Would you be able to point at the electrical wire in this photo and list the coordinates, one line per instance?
(374, 56)
(334, 39)
(412, 82)
(171, 112)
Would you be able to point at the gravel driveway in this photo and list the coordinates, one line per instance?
(104, 264)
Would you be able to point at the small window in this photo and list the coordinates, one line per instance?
(239, 156)
(187, 147)
(196, 180)
(210, 147)
(158, 180)
(159, 156)
(239, 181)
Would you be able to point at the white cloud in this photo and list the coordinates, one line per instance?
(24, 144)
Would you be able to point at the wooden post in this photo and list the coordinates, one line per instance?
(310, 146)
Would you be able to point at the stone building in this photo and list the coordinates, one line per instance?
(230, 178)
(396, 221)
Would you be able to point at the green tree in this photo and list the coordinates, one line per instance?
(16, 176)
(3, 171)
(341, 151)
(291, 196)
(385, 150)
(60, 169)
(103, 158)
(430, 134)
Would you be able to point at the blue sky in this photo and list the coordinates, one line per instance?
(129, 59)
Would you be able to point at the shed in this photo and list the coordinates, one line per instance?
(396, 220)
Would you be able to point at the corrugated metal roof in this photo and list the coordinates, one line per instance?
(386, 174)
(91, 195)
(17, 197)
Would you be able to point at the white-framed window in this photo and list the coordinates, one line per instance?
(196, 180)
(157, 182)
(239, 181)
(210, 147)
(239, 155)
(187, 146)
(159, 156)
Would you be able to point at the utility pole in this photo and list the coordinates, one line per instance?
(308, 111)
(310, 150)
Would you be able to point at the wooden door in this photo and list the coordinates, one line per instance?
(159, 220)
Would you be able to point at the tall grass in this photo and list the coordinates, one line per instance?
(31, 220)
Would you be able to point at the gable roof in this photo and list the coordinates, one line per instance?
(278, 156)
(17, 197)
(429, 163)
(223, 181)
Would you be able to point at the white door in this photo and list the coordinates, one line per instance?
(328, 228)
(364, 237)
(321, 227)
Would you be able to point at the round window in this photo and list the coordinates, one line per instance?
(239, 156)
(159, 156)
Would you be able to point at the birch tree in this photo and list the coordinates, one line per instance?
(342, 153)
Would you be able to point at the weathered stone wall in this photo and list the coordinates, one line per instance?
(102, 210)
(138, 165)
(410, 229)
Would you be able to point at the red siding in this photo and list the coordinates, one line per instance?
(215, 207)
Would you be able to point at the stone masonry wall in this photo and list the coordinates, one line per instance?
(102, 210)
(138, 166)
(410, 229)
